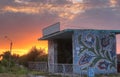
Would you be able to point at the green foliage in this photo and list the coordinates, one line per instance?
(34, 55)
(15, 69)
(10, 63)
(19, 70)
(6, 55)
(4, 62)
(2, 69)
(9, 59)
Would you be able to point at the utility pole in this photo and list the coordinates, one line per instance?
(11, 44)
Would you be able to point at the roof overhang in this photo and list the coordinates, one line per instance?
(115, 31)
(67, 34)
(64, 34)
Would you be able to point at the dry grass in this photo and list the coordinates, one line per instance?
(11, 75)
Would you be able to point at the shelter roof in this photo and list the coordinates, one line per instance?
(67, 34)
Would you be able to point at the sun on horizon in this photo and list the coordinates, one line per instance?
(23, 51)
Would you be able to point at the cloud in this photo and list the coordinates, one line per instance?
(68, 10)
(22, 1)
(22, 9)
(6, 2)
(95, 19)
(23, 19)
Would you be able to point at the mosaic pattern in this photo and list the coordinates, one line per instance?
(97, 49)
(103, 65)
(86, 58)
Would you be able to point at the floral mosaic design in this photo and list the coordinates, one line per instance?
(86, 58)
(89, 39)
(103, 65)
(105, 41)
(102, 45)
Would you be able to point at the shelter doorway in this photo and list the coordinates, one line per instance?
(64, 51)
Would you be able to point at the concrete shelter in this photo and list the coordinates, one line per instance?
(82, 47)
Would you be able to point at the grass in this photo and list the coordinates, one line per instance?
(18, 70)
(23, 72)
(12, 75)
(43, 74)
(47, 74)
(14, 71)
(26, 75)
(52, 75)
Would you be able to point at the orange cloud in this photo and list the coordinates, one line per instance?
(27, 10)
(22, 1)
(113, 3)
(63, 11)
(68, 11)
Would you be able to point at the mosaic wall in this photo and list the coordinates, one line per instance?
(94, 49)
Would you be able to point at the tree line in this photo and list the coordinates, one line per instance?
(34, 55)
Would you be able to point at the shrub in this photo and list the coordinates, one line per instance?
(2, 69)
(19, 70)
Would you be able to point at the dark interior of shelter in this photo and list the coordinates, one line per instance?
(64, 48)
(118, 63)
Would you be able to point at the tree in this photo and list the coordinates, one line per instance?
(34, 55)
(6, 55)
(9, 59)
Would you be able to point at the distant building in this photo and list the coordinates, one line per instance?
(82, 47)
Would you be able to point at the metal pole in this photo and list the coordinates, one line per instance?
(63, 70)
(10, 53)
(11, 44)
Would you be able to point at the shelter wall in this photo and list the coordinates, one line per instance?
(52, 54)
(94, 49)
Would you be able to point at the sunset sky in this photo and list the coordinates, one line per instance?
(23, 20)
